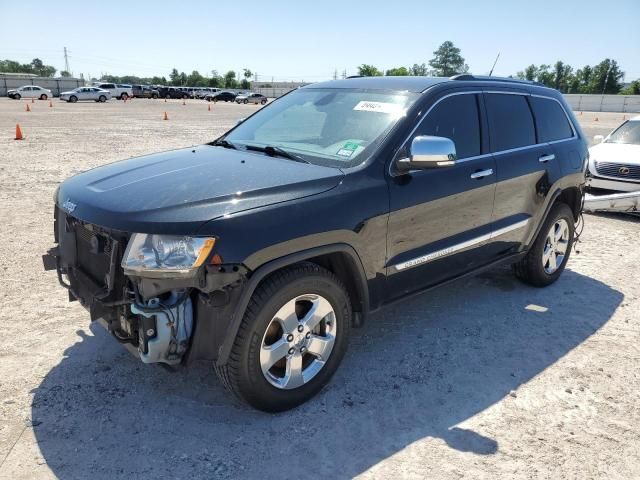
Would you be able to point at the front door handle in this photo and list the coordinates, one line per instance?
(482, 173)
(546, 158)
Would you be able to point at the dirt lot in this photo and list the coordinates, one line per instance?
(504, 381)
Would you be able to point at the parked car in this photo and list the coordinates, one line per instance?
(30, 91)
(221, 97)
(86, 93)
(614, 163)
(172, 92)
(270, 243)
(251, 98)
(202, 93)
(120, 91)
(144, 91)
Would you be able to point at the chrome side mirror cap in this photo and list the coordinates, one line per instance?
(598, 138)
(429, 152)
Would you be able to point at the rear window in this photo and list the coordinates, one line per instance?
(551, 121)
(510, 121)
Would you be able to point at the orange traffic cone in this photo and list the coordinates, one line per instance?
(28, 108)
(209, 107)
(50, 104)
(18, 132)
(596, 119)
(33, 100)
(166, 117)
(183, 102)
(165, 100)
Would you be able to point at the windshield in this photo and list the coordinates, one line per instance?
(628, 132)
(334, 127)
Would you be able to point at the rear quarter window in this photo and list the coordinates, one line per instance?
(510, 121)
(551, 121)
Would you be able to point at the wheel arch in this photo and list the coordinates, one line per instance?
(341, 259)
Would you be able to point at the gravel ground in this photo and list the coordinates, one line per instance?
(506, 381)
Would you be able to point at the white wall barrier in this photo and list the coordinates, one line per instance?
(604, 103)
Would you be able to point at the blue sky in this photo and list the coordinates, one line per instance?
(308, 40)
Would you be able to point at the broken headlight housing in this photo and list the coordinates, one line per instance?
(164, 256)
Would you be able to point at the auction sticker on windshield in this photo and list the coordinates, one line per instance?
(380, 107)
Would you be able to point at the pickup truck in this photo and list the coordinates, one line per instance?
(260, 250)
(120, 91)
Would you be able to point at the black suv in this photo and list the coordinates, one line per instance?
(260, 250)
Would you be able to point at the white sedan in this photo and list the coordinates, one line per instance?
(30, 91)
(86, 93)
(614, 163)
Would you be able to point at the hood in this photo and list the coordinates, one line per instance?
(175, 192)
(616, 153)
(12, 90)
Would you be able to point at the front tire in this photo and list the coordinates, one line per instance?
(549, 254)
(291, 340)
(124, 96)
(43, 97)
(102, 99)
(17, 96)
(73, 99)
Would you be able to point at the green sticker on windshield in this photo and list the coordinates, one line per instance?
(347, 149)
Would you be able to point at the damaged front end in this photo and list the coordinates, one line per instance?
(167, 298)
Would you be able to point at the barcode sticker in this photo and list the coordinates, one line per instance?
(380, 107)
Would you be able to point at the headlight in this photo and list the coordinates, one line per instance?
(165, 255)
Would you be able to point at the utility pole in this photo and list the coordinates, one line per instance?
(66, 60)
(335, 74)
(344, 73)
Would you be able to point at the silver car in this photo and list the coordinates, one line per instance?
(251, 98)
(86, 93)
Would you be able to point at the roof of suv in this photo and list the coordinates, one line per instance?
(409, 83)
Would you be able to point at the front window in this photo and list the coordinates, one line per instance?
(334, 127)
(627, 133)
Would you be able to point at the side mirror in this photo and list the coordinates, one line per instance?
(429, 152)
(598, 138)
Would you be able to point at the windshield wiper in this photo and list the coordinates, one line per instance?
(224, 143)
(274, 151)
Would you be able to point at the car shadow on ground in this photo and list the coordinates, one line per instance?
(416, 370)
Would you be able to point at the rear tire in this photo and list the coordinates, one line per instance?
(549, 254)
(246, 101)
(298, 374)
(43, 97)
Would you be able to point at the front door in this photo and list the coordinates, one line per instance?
(440, 218)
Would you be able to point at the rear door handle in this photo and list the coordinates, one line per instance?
(546, 158)
(482, 173)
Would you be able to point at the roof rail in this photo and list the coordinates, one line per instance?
(486, 78)
(355, 76)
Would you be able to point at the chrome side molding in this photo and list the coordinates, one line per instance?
(460, 246)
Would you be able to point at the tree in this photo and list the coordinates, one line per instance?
(36, 67)
(606, 77)
(64, 73)
(365, 70)
(245, 84)
(195, 79)
(632, 89)
(247, 73)
(230, 79)
(447, 61)
(530, 73)
(419, 70)
(174, 76)
(398, 72)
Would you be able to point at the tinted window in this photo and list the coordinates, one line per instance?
(456, 118)
(510, 121)
(551, 121)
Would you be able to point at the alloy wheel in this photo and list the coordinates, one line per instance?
(298, 341)
(555, 246)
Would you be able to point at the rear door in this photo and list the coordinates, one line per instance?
(526, 168)
(440, 218)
